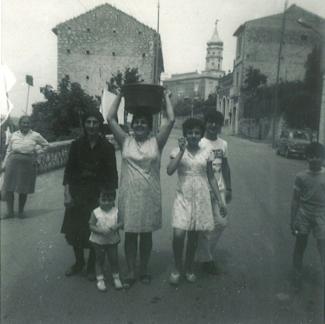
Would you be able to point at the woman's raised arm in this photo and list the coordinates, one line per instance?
(165, 130)
(116, 129)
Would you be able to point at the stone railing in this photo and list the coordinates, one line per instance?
(55, 157)
(57, 154)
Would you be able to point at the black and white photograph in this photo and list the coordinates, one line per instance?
(162, 161)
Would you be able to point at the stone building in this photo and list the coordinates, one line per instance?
(195, 85)
(258, 46)
(98, 43)
(225, 103)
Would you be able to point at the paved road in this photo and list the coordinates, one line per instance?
(254, 254)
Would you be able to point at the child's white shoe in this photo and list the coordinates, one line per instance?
(101, 284)
(117, 281)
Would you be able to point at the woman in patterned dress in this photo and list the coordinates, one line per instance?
(139, 198)
(192, 209)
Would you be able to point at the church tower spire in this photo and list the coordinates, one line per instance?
(213, 60)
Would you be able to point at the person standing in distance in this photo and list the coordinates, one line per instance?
(211, 141)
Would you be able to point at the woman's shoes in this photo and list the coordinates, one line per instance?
(190, 277)
(174, 278)
(73, 270)
(101, 284)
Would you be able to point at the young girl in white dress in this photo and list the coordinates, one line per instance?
(192, 209)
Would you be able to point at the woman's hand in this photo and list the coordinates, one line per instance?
(167, 93)
(68, 202)
(182, 144)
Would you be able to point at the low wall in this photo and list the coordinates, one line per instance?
(55, 157)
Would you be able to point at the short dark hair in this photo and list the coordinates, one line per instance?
(143, 114)
(191, 123)
(105, 190)
(315, 149)
(22, 118)
(212, 115)
(92, 113)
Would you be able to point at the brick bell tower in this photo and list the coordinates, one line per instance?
(213, 60)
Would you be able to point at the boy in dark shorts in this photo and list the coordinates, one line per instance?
(308, 207)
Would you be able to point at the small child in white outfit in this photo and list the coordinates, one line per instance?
(104, 225)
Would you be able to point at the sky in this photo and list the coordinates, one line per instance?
(29, 45)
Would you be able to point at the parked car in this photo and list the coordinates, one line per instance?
(293, 142)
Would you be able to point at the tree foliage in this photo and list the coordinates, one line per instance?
(298, 101)
(116, 82)
(59, 116)
(184, 106)
(253, 80)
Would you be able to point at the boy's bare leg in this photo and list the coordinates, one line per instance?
(321, 250)
(300, 247)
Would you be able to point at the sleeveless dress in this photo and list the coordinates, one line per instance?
(192, 209)
(139, 200)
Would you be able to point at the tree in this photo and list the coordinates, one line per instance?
(59, 116)
(313, 77)
(253, 80)
(116, 82)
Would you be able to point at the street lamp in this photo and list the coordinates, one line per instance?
(321, 33)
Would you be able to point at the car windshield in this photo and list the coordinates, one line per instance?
(300, 135)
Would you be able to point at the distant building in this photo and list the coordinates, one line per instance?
(98, 43)
(258, 46)
(225, 103)
(194, 85)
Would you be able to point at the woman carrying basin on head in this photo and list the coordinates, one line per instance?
(139, 198)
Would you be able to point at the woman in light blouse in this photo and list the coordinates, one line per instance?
(19, 165)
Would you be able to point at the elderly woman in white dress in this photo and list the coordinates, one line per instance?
(20, 165)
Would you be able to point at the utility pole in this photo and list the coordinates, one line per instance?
(276, 87)
(30, 82)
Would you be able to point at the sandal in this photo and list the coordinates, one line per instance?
(190, 277)
(145, 279)
(101, 285)
(174, 278)
(129, 282)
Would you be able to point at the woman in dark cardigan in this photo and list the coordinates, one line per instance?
(91, 165)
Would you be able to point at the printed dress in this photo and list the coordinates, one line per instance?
(192, 210)
(139, 200)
